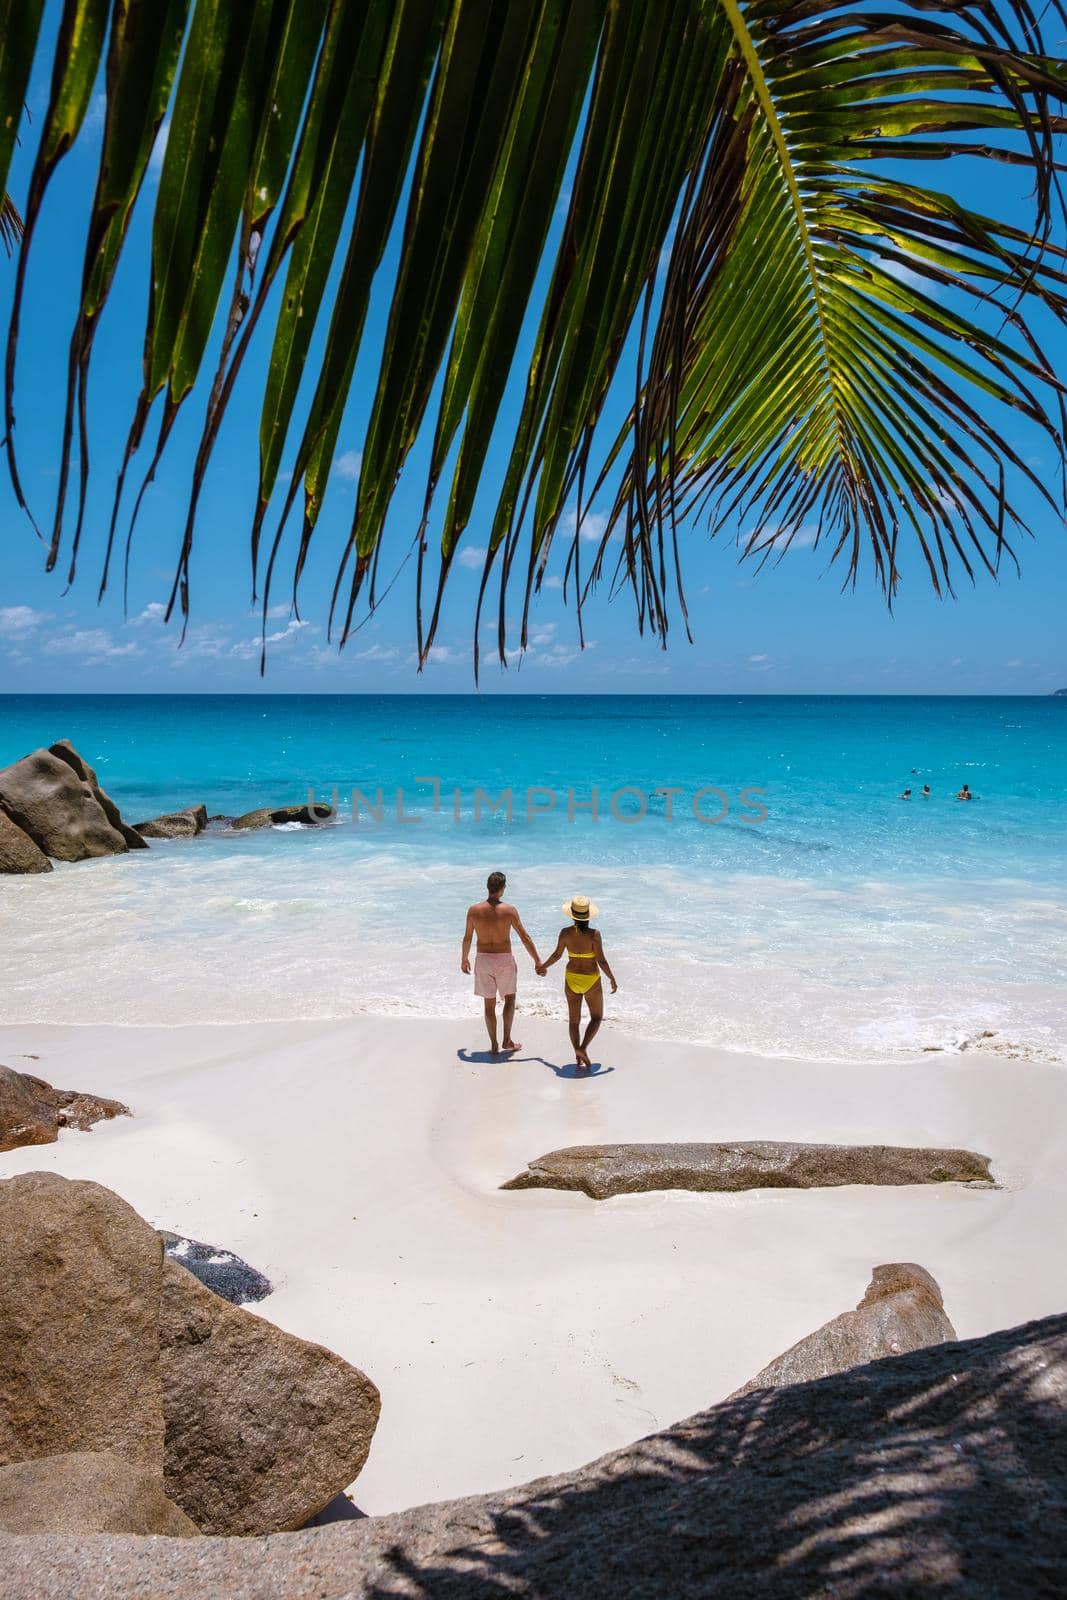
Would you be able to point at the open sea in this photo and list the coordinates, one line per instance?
(843, 923)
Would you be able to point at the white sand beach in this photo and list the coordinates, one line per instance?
(358, 1165)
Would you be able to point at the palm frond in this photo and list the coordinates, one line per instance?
(805, 332)
(813, 367)
(10, 223)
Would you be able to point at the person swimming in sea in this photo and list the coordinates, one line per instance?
(926, 791)
(906, 795)
(584, 949)
(965, 793)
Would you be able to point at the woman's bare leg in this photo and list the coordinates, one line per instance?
(574, 1022)
(594, 999)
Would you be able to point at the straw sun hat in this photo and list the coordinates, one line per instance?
(580, 909)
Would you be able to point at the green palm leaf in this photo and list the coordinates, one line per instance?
(818, 379)
(807, 330)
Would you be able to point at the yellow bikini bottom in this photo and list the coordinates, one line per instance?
(580, 982)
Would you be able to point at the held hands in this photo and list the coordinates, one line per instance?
(540, 968)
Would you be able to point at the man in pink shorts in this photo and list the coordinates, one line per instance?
(495, 972)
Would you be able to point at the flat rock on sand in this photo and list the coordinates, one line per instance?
(943, 1472)
(32, 1112)
(603, 1170)
(80, 1276)
(902, 1310)
(87, 1492)
(263, 1429)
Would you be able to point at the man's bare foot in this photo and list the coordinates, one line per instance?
(510, 1044)
(583, 1061)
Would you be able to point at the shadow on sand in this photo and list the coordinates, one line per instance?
(567, 1070)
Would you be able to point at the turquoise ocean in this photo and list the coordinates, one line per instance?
(845, 923)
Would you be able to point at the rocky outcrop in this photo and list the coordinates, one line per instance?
(263, 1429)
(18, 853)
(80, 1281)
(902, 1310)
(32, 1112)
(54, 797)
(87, 1492)
(942, 1472)
(266, 817)
(218, 1270)
(603, 1170)
(175, 825)
(81, 768)
(106, 1347)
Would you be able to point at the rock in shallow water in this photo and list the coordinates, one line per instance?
(54, 797)
(175, 825)
(263, 1429)
(218, 1270)
(902, 1310)
(87, 1492)
(32, 1112)
(81, 768)
(268, 817)
(941, 1473)
(603, 1170)
(80, 1280)
(18, 853)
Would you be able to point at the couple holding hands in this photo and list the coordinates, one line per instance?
(493, 921)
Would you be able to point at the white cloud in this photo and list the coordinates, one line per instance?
(207, 642)
(378, 652)
(151, 613)
(1013, 664)
(276, 613)
(762, 657)
(92, 644)
(593, 525)
(444, 655)
(913, 279)
(159, 149)
(94, 117)
(347, 465)
(472, 555)
(560, 655)
(247, 649)
(542, 633)
(803, 539)
(552, 583)
(17, 621)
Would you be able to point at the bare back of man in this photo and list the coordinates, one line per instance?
(492, 921)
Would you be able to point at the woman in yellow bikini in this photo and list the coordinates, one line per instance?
(586, 960)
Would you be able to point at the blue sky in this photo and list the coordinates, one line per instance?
(789, 629)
